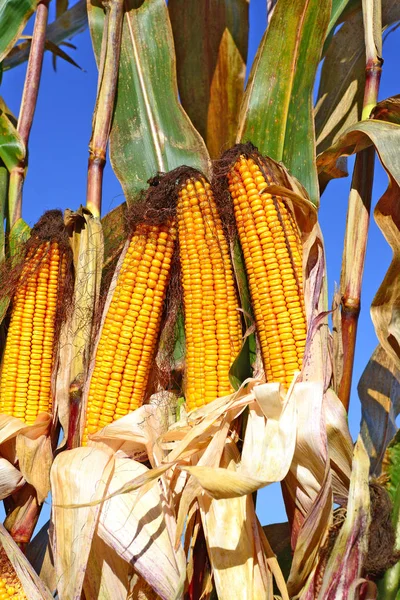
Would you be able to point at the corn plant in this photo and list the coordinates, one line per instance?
(163, 362)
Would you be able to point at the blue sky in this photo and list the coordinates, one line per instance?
(58, 153)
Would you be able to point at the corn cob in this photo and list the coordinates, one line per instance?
(25, 385)
(272, 251)
(128, 339)
(212, 320)
(10, 585)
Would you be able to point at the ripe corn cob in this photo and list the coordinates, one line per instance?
(25, 386)
(212, 320)
(273, 257)
(129, 336)
(10, 585)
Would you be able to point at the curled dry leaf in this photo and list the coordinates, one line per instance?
(379, 391)
(385, 137)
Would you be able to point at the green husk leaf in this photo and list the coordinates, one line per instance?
(19, 234)
(390, 583)
(211, 65)
(241, 367)
(150, 130)
(277, 113)
(70, 23)
(12, 148)
(14, 15)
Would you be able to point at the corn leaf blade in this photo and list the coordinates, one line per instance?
(12, 148)
(211, 49)
(67, 25)
(276, 113)
(14, 15)
(150, 130)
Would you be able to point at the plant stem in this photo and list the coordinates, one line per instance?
(359, 208)
(28, 105)
(104, 109)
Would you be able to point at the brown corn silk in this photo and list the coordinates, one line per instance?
(272, 251)
(41, 295)
(128, 339)
(10, 585)
(212, 320)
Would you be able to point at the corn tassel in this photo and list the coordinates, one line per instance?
(272, 251)
(26, 374)
(212, 319)
(10, 585)
(129, 336)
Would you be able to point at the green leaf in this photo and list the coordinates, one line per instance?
(13, 17)
(211, 65)
(277, 114)
(70, 23)
(341, 88)
(12, 148)
(3, 205)
(150, 130)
